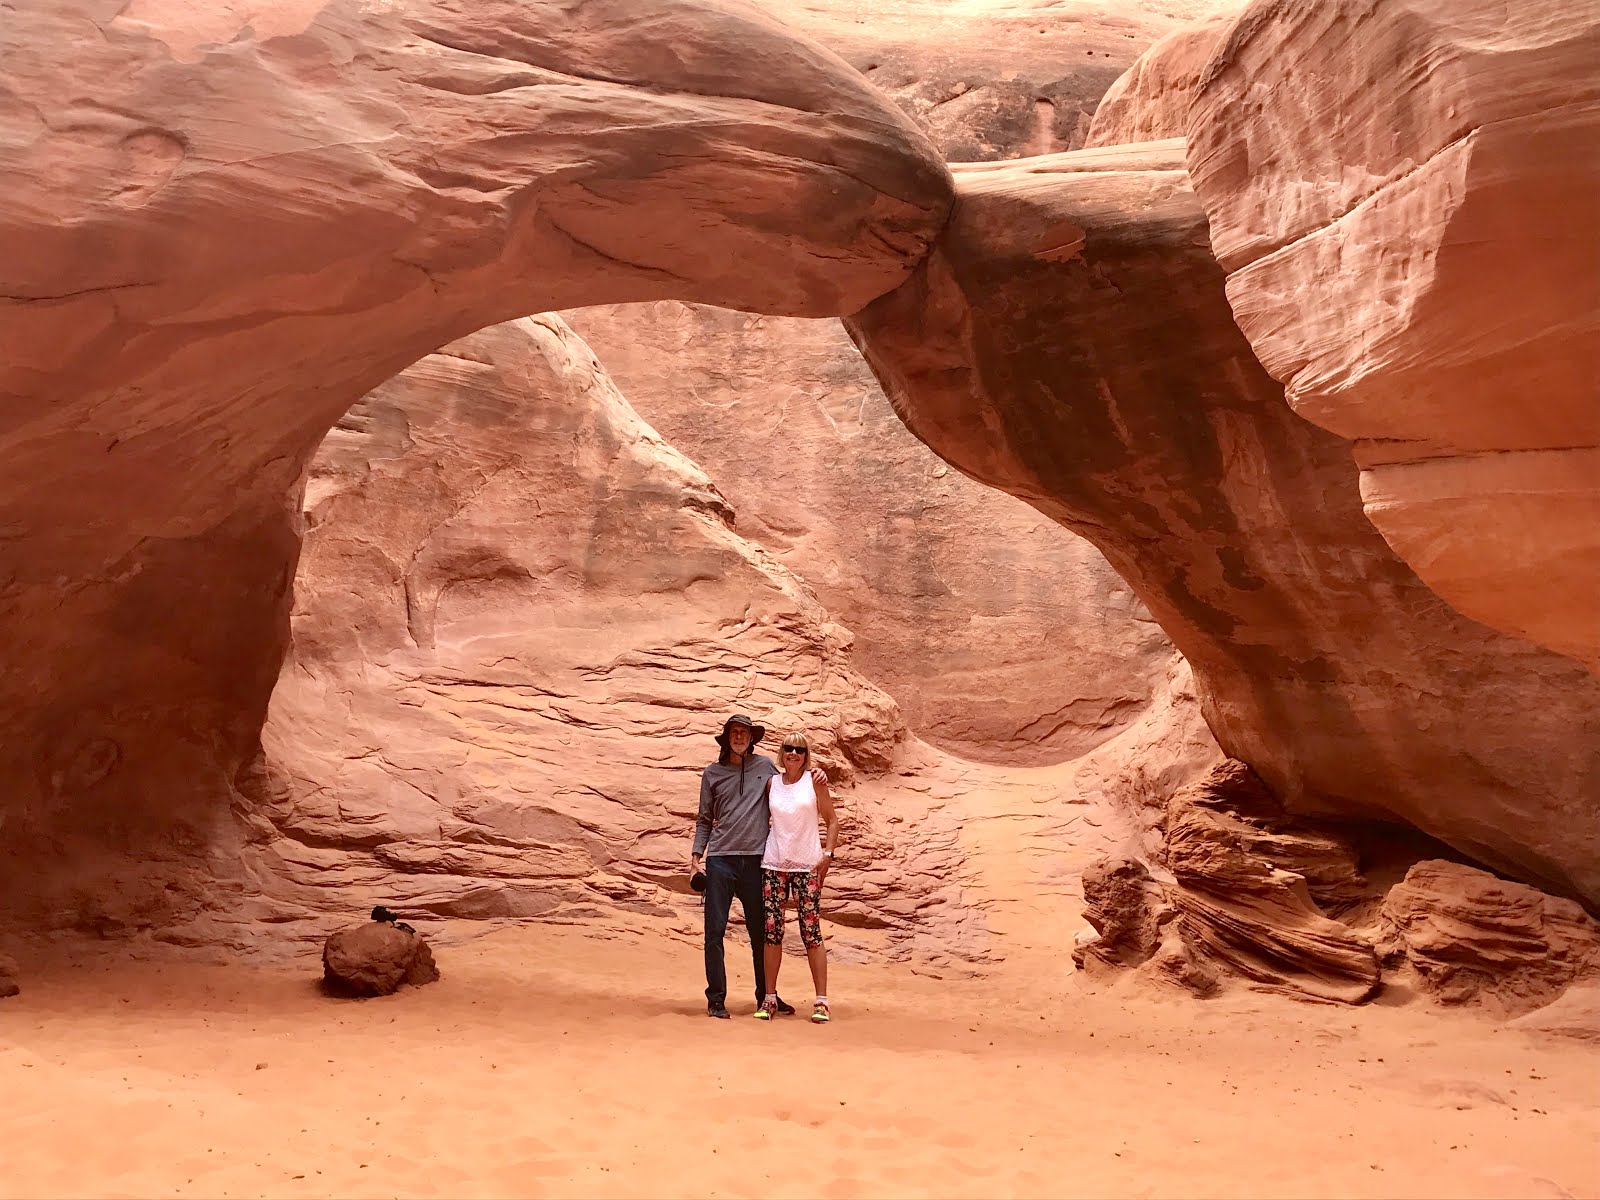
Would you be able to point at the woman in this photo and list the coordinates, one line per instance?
(793, 867)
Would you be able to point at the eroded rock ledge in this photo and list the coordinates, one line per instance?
(1247, 894)
(1237, 892)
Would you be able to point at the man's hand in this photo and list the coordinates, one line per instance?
(818, 775)
(695, 864)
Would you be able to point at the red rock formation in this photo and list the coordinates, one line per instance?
(1127, 909)
(1248, 896)
(1472, 938)
(1001, 636)
(376, 959)
(1251, 889)
(1404, 196)
(1070, 342)
(1150, 101)
(249, 227)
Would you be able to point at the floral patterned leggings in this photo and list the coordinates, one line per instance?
(802, 889)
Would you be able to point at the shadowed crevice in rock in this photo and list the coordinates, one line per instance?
(1070, 342)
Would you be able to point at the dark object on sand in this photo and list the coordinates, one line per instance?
(8, 977)
(380, 913)
(376, 958)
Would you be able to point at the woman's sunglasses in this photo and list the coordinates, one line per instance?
(794, 749)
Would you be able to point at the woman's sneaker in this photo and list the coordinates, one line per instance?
(768, 1009)
(819, 1014)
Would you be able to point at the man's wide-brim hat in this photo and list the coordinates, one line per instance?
(757, 732)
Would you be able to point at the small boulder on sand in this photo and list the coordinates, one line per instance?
(374, 959)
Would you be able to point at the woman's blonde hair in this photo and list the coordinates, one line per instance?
(797, 739)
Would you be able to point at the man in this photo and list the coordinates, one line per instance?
(730, 834)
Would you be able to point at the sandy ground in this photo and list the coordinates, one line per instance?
(571, 1061)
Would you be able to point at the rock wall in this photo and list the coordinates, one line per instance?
(1404, 197)
(1070, 341)
(519, 618)
(1001, 636)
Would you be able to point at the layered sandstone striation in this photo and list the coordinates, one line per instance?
(1472, 938)
(519, 618)
(1070, 342)
(1404, 197)
(252, 224)
(1236, 891)
(1001, 636)
(1252, 891)
(1246, 893)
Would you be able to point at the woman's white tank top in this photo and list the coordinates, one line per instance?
(792, 840)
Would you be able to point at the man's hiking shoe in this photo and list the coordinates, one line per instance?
(785, 1009)
(768, 1010)
(718, 1010)
(819, 1015)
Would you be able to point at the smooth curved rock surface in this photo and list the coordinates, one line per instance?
(1150, 101)
(1001, 636)
(220, 234)
(1404, 195)
(1070, 342)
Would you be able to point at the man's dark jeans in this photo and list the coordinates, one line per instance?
(727, 876)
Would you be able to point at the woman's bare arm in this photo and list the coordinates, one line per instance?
(828, 813)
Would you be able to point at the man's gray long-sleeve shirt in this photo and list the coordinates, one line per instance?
(733, 807)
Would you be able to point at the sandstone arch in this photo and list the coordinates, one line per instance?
(1070, 341)
(261, 224)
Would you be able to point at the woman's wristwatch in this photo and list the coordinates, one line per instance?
(828, 853)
